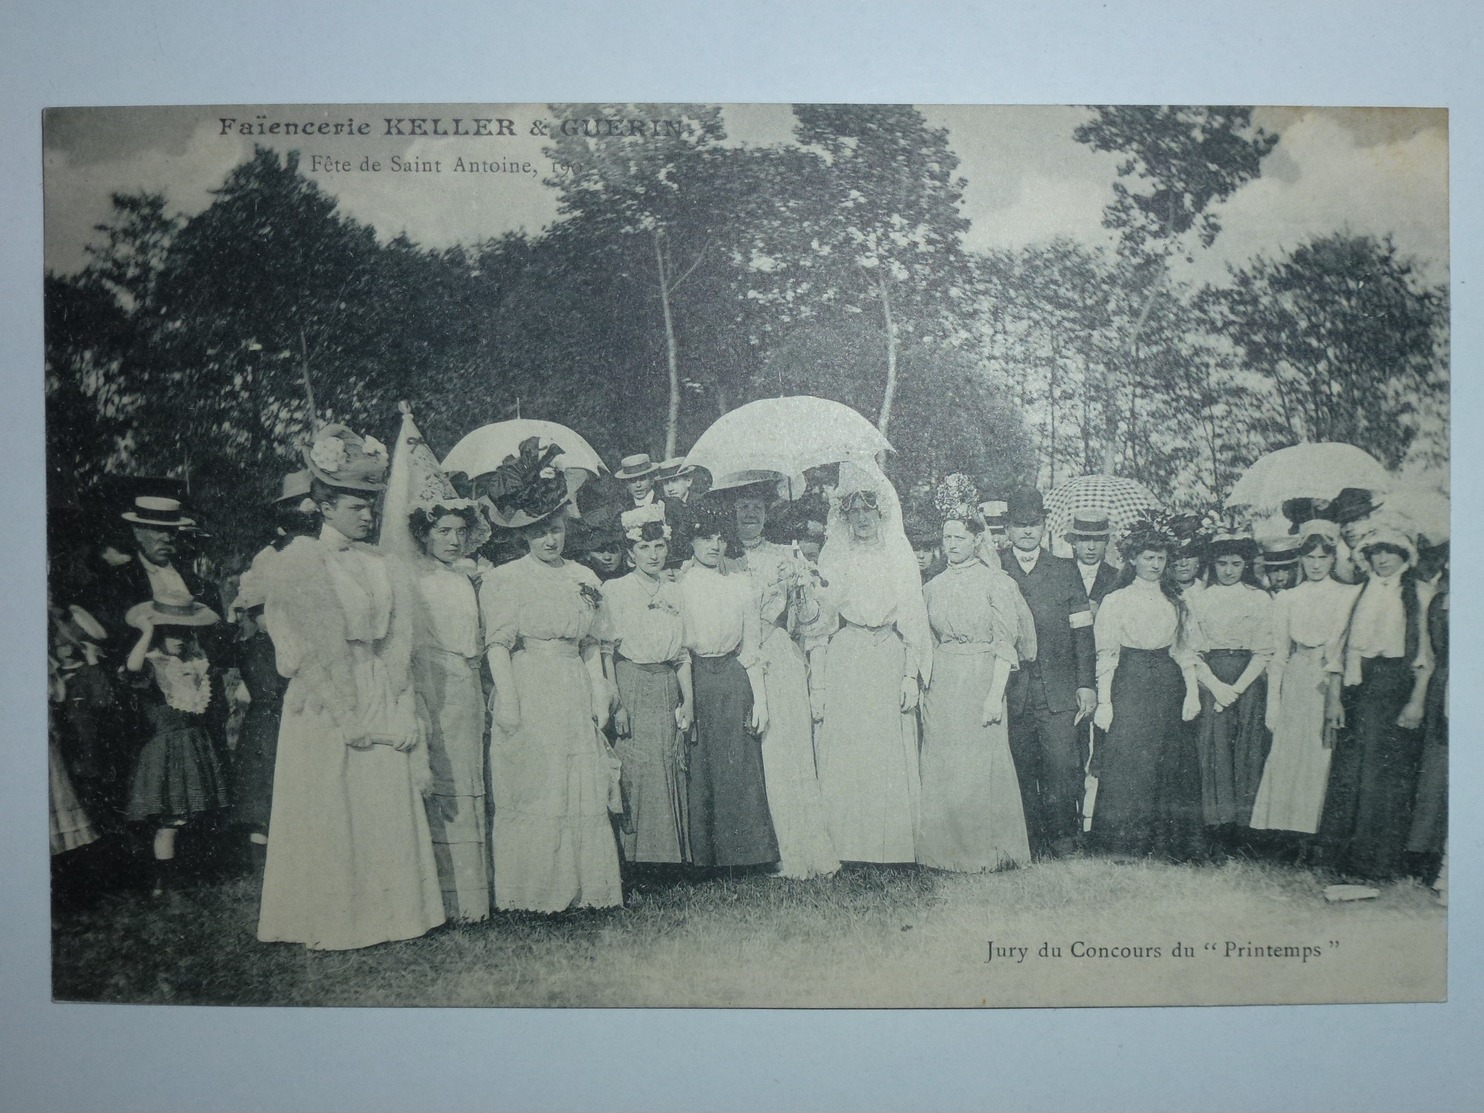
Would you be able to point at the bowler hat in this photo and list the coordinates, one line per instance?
(1352, 504)
(1025, 507)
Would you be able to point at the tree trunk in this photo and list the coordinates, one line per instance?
(672, 415)
(308, 385)
(1051, 406)
(891, 353)
(1111, 449)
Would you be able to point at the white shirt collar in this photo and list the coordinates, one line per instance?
(1027, 559)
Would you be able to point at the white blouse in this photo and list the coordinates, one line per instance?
(1238, 616)
(720, 614)
(448, 614)
(1137, 617)
(644, 619)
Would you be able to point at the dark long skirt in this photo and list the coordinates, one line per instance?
(1373, 778)
(257, 745)
(1429, 832)
(1233, 744)
(729, 820)
(652, 827)
(1149, 782)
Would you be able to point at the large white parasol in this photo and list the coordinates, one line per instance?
(785, 436)
(1316, 470)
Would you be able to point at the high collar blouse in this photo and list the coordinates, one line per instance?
(1138, 616)
(448, 610)
(1313, 614)
(644, 619)
(720, 614)
(529, 598)
(359, 577)
(1235, 616)
(967, 604)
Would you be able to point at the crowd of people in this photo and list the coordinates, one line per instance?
(542, 695)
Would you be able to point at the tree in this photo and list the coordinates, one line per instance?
(1181, 160)
(651, 186)
(867, 221)
(1349, 339)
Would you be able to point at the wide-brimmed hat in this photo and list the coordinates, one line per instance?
(342, 458)
(528, 486)
(1317, 527)
(635, 467)
(1025, 507)
(674, 468)
(995, 514)
(1352, 504)
(1189, 535)
(1229, 534)
(157, 512)
(294, 487)
(1088, 526)
(172, 610)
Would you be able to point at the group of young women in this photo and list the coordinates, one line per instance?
(738, 706)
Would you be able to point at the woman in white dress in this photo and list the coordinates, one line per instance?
(870, 675)
(350, 862)
(1303, 704)
(787, 605)
(550, 773)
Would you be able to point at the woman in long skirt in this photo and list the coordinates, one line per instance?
(1373, 780)
(350, 862)
(1429, 835)
(655, 698)
(788, 607)
(730, 824)
(1231, 631)
(1149, 780)
(870, 675)
(447, 651)
(554, 846)
(972, 817)
(1303, 712)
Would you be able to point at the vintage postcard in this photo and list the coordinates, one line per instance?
(757, 555)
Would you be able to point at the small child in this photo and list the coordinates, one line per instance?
(178, 775)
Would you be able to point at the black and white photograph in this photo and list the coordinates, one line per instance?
(747, 555)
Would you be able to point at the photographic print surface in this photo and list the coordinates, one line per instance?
(747, 555)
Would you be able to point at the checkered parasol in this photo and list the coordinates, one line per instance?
(1120, 499)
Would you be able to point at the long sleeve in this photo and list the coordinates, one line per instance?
(1084, 642)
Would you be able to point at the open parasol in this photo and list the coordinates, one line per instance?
(1113, 495)
(1315, 470)
(416, 480)
(486, 448)
(786, 436)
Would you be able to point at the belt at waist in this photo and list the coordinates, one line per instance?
(1133, 654)
(965, 649)
(472, 660)
(554, 647)
(1208, 654)
(645, 666)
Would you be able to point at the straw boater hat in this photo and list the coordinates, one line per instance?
(342, 458)
(1088, 525)
(675, 468)
(172, 610)
(157, 512)
(996, 515)
(635, 467)
(1280, 552)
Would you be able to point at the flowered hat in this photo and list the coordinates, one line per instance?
(1188, 533)
(956, 499)
(526, 488)
(1150, 529)
(1228, 534)
(645, 523)
(342, 458)
(710, 516)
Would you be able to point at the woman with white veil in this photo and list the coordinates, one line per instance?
(867, 680)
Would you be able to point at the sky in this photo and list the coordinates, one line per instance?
(1378, 171)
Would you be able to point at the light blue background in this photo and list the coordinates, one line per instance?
(1289, 52)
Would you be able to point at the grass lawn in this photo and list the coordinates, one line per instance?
(872, 936)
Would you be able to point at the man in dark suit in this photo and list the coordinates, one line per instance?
(150, 570)
(1089, 540)
(1049, 697)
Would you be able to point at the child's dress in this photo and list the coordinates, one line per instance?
(178, 775)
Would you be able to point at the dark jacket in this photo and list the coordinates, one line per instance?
(1106, 581)
(121, 587)
(1066, 658)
